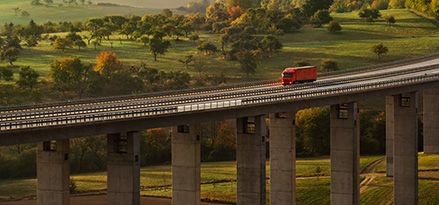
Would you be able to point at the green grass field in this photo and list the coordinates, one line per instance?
(411, 37)
(156, 180)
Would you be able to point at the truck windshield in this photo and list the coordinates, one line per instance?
(287, 75)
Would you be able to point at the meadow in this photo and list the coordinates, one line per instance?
(410, 37)
(218, 180)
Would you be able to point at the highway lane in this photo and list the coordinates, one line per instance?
(139, 106)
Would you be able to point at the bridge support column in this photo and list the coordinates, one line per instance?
(345, 154)
(405, 167)
(123, 169)
(431, 121)
(282, 158)
(186, 164)
(250, 159)
(53, 171)
(389, 135)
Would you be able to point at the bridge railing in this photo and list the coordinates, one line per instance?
(219, 104)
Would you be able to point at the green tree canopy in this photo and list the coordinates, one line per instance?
(27, 77)
(379, 49)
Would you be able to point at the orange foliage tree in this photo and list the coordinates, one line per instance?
(108, 63)
(234, 12)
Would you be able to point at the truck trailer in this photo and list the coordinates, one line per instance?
(299, 75)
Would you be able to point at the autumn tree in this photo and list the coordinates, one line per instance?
(108, 63)
(69, 74)
(329, 65)
(379, 49)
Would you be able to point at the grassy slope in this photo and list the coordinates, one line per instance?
(309, 44)
(57, 13)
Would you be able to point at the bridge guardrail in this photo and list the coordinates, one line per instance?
(166, 110)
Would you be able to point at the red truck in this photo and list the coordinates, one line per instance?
(299, 75)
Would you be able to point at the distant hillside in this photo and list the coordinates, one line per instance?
(152, 3)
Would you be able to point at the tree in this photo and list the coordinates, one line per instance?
(6, 74)
(390, 20)
(333, 27)
(244, 4)
(11, 54)
(62, 43)
(48, 1)
(80, 43)
(194, 36)
(369, 14)
(144, 39)
(31, 42)
(310, 7)
(396, 4)
(329, 65)
(27, 77)
(35, 2)
(24, 14)
(69, 73)
(300, 64)
(199, 64)
(187, 60)
(321, 17)
(379, 49)
(158, 46)
(167, 13)
(271, 43)
(96, 43)
(207, 47)
(313, 130)
(108, 63)
(249, 61)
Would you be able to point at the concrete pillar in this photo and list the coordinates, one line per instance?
(405, 149)
(186, 165)
(431, 121)
(345, 154)
(389, 136)
(123, 169)
(282, 158)
(53, 172)
(250, 160)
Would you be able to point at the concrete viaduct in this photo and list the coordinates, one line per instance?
(399, 84)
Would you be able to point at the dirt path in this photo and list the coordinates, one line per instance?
(370, 175)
